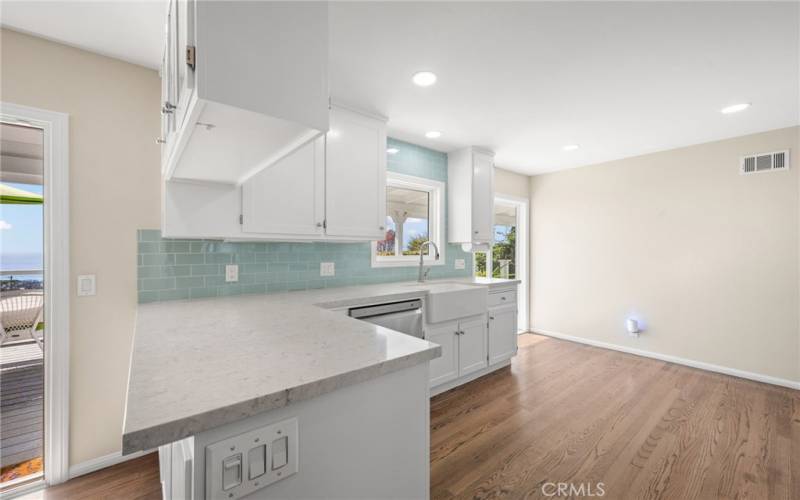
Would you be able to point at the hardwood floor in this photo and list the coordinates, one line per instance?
(580, 415)
(136, 479)
(569, 413)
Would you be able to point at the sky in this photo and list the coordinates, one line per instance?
(21, 227)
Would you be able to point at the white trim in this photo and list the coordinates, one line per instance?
(436, 189)
(522, 256)
(98, 463)
(452, 384)
(25, 487)
(57, 282)
(734, 372)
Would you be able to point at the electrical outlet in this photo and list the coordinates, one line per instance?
(460, 264)
(327, 269)
(231, 273)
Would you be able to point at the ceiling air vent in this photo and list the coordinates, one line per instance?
(764, 162)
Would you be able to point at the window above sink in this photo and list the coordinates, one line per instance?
(414, 214)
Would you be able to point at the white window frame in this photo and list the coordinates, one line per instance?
(436, 223)
(55, 127)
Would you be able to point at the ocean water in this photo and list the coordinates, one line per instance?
(21, 261)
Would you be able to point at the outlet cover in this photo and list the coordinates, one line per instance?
(460, 264)
(327, 269)
(231, 273)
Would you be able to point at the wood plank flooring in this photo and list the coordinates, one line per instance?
(580, 415)
(135, 479)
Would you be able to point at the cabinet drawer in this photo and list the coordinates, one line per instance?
(503, 298)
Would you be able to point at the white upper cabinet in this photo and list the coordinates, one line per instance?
(332, 188)
(470, 195)
(248, 86)
(355, 175)
(288, 197)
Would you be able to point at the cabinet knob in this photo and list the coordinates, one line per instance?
(503, 298)
(160, 140)
(381, 228)
(476, 232)
(167, 108)
(491, 317)
(319, 224)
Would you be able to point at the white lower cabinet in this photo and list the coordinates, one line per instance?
(176, 466)
(502, 333)
(444, 368)
(463, 345)
(475, 345)
(472, 345)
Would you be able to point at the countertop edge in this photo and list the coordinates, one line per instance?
(144, 439)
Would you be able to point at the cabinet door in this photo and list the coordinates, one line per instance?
(502, 333)
(355, 176)
(472, 345)
(288, 197)
(444, 368)
(184, 74)
(166, 118)
(168, 85)
(182, 457)
(482, 197)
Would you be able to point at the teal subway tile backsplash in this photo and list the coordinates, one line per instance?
(170, 269)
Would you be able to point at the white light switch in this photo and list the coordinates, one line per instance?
(239, 465)
(280, 452)
(327, 269)
(87, 285)
(232, 471)
(231, 273)
(460, 264)
(257, 461)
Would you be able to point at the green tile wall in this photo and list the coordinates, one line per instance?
(171, 269)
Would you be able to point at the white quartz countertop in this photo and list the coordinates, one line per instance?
(200, 364)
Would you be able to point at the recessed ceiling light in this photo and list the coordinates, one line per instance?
(392, 151)
(433, 134)
(570, 147)
(424, 78)
(735, 108)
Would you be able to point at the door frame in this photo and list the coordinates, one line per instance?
(521, 204)
(55, 127)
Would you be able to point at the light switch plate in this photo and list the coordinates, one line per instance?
(231, 273)
(460, 264)
(87, 285)
(283, 435)
(327, 269)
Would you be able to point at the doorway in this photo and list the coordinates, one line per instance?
(34, 300)
(508, 256)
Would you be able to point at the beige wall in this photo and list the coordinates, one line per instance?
(511, 183)
(114, 190)
(707, 258)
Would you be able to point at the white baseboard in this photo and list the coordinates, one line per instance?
(98, 463)
(767, 379)
(468, 378)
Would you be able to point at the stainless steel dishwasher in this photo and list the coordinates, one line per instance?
(404, 317)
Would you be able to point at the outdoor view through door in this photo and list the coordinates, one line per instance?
(508, 255)
(504, 250)
(22, 322)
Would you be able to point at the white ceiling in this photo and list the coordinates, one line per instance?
(524, 79)
(124, 29)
